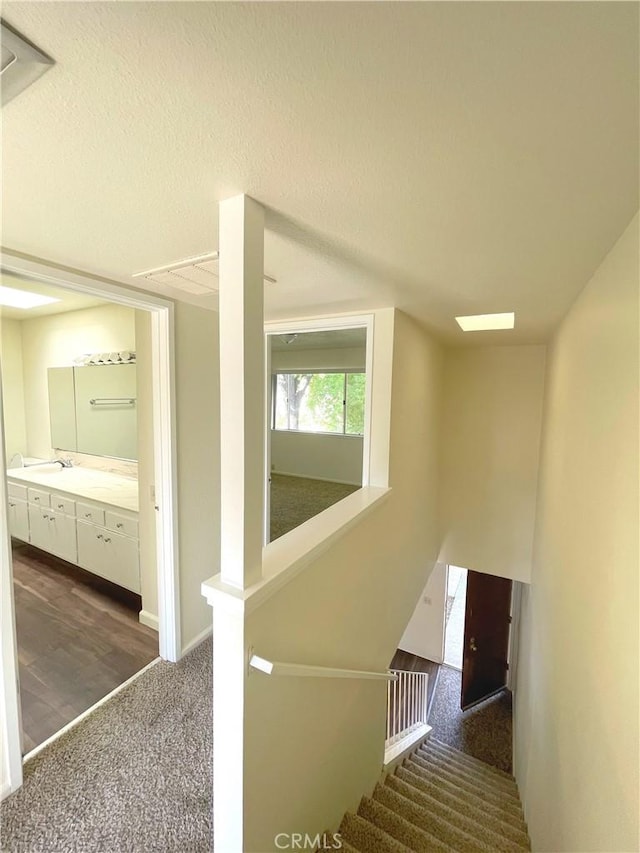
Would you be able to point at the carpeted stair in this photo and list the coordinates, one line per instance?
(440, 800)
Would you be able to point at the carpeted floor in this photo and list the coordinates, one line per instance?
(295, 500)
(134, 776)
(483, 731)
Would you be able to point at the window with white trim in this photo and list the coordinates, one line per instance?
(323, 402)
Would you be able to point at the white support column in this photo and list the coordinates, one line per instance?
(242, 426)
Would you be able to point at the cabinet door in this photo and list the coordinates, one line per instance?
(122, 562)
(18, 519)
(39, 527)
(91, 547)
(62, 536)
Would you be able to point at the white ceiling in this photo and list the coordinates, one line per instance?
(447, 158)
(68, 300)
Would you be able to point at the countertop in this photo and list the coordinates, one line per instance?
(102, 486)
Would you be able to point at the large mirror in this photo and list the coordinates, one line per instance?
(92, 409)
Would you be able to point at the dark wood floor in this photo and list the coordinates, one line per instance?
(78, 638)
(413, 663)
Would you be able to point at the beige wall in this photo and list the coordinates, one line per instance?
(348, 608)
(54, 341)
(198, 437)
(325, 457)
(424, 635)
(344, 358)
(492, 416)
(303, 454)
(576, 714)
(15, 436)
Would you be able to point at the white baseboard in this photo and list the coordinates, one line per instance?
(322, 479)
(199, 638)
(149, 619)
(5, 790)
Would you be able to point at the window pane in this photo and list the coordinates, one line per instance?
(281, 411)
(355, 403)
(322, 405)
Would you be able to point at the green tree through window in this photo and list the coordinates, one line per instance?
(320, 402)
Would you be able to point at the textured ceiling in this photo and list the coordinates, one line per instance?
(447, 158)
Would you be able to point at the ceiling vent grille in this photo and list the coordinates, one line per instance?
(22, 63)
(198, 276)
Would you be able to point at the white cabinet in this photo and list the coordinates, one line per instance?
(109, 554)
(53, 531)
(18, 519)
(101, 540)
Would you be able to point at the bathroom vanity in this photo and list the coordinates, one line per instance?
(85, 516)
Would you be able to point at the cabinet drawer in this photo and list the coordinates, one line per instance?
(18, 518)
(91, 513)
(63, 504)
(38, 497)
(121, 524)
(16, 491)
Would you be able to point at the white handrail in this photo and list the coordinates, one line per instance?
(270, 667)
(406, 705)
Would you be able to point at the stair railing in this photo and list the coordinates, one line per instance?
(407, 707)
(270, 667)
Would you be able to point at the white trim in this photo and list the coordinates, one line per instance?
(166, 483)
(89, 711)
(162, 311)
(10, 712)
(164, 432)
(148, 619)
(396, 753)
(287, 556)
(321, 479)
(514, 636)
(299, 670)
(197, 640)
(5, 790)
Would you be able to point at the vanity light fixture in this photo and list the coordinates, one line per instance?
(486, 322)
(13, 298)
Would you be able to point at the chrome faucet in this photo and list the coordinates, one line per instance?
(66, 463)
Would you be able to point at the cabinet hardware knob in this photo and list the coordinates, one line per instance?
(10, 504)
(52, 518)
(60, 506)
(99, 536)
(119, 525)
(87, 515)
(107, 539)
(45, 516)
(36, 499)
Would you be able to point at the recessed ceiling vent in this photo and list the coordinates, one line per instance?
(22, 63)
(199, 275)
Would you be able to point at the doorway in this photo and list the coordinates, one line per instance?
(53, 564)
(455, 602)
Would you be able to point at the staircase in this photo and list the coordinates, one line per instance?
(439, 800)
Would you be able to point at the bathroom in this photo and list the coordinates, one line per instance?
(76, 385)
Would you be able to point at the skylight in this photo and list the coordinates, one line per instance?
(13, 298)
(485, 322)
